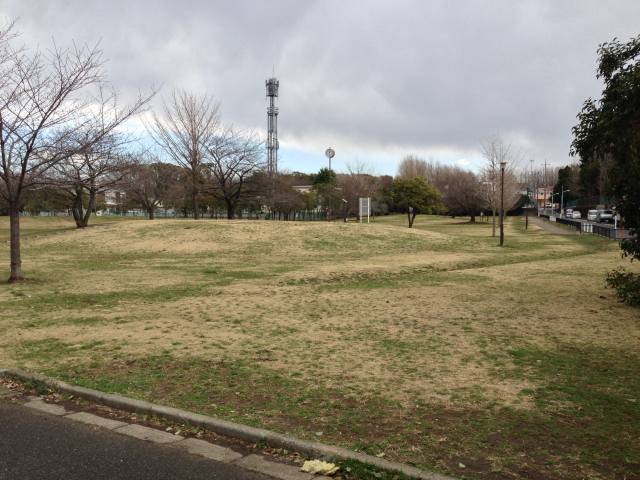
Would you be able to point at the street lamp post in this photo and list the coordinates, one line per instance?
(502, 166)
(562, 200)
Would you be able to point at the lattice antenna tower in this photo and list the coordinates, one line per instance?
(272, 126)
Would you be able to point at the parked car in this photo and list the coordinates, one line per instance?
(568, 213)
(576, 214)
(605, 216)
(592, 215)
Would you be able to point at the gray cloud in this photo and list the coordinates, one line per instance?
(370, 77)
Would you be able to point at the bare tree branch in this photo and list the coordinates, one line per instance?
(188, 124)
(47, 117)
(233, 156)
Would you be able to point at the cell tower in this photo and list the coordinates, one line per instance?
(272, 126)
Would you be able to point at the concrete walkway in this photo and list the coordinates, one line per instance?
(39, 440)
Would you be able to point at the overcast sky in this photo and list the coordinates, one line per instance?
(373, 79)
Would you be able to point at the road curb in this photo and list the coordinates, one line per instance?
(226, 428)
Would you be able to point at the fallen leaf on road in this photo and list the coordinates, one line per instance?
(319, 467)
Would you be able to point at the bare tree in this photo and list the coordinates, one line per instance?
(359, 182)
(41, 109)
(413, 166)
(188, 125)
(495, 152)
(285, 201)
(97, 167)
(462, 191)
(150, 183)
(232, 157)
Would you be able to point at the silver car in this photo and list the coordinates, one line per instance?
(592, 215)
(605, 216)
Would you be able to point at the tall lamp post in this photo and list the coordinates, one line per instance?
(503, 164)
(330, 153)
(562, 200)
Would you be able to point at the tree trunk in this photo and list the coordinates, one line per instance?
(472, 218)
(78, 209)
(80, 214)
(151, 212)
(16, 261)
(194, 199)
(230, 210)
(90, 207)
(493, 217)
(412, 217)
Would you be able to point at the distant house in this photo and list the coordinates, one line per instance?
(543, 196)
(111, 199)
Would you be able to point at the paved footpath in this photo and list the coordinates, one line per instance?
(557, 229)
(37, 445)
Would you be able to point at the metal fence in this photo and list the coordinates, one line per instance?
(302, 215)
(576, 225)
(607, 231)
(610, 231)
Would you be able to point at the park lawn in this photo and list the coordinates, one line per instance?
(431, 346)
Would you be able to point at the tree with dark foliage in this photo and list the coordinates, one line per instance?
(414, 196)
(325, 184)
(608, 133)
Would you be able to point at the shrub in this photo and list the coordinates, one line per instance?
(626, 284)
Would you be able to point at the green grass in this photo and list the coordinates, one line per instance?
(46, 226)
(432, 346)
(69, 320)
(56, 301)
(588, 410)
(51, 349)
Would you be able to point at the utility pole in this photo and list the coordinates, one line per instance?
(544, 186)
(493, 196)
(503, 164)
(532, 184)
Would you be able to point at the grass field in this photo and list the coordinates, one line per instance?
(431, 346)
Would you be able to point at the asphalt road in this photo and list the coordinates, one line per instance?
(36, 445)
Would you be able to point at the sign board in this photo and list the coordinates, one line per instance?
(364, 208)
